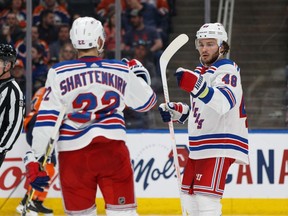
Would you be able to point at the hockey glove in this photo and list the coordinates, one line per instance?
(38, 179)
(191, 82)
(176, 111)
(138, 69)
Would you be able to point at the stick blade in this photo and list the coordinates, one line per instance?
(173, 47)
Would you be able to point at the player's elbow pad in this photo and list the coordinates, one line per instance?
(138, 69)
(144, 74)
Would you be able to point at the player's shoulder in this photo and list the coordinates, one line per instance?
(226, 64)
(115, 65)
(113, 61)
(69, 65)
(223, 62)
(92, 62)
(223, 65)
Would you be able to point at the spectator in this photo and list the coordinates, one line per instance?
(145, 33)
(142, 54)
(61, 14)
(110, 31)
(39, 68)
(16, 7)
(11, 31)
(149, 12)
(46, 28)
(4, 4)
(104, 7)
(161, 5)
(20, 45)
(5, 36)
(18, 72)
(134, 119)
(140, 31)
(67, 52)
(83, 7)
(63, 37)
(151, 17)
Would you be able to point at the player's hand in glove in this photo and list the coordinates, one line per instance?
(176, 111)
(136, 67)
(37, 178)
(191, 82)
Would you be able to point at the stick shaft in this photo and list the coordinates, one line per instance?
(173, 47)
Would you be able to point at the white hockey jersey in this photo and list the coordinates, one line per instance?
(95, 91)
(217, 123)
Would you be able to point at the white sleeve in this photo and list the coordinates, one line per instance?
(224, 90)
(47, 115)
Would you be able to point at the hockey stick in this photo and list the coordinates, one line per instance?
(172, 48)
(47, 154)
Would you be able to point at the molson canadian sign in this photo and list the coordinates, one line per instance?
(154, 173)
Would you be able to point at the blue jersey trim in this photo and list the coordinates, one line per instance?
(224, 135)
(82, 133)
(225, 146)
(53, 112)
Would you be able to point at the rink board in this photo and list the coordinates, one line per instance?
(260, 188)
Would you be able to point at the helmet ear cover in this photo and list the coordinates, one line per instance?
(211, 30)
(8, 53)
(85, 33)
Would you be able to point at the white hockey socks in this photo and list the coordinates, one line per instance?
(190, 204)
(87, 212)
(209, 206)
(121, 213)
(199, 205)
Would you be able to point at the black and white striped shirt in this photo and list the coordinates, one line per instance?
(12, 111)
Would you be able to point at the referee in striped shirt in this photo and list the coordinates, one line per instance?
(12, 107)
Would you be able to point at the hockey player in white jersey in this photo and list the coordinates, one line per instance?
(91, 144)
(217, 123)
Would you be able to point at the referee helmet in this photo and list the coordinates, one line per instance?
(8, 53)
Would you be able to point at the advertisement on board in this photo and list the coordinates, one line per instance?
(154, 172)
